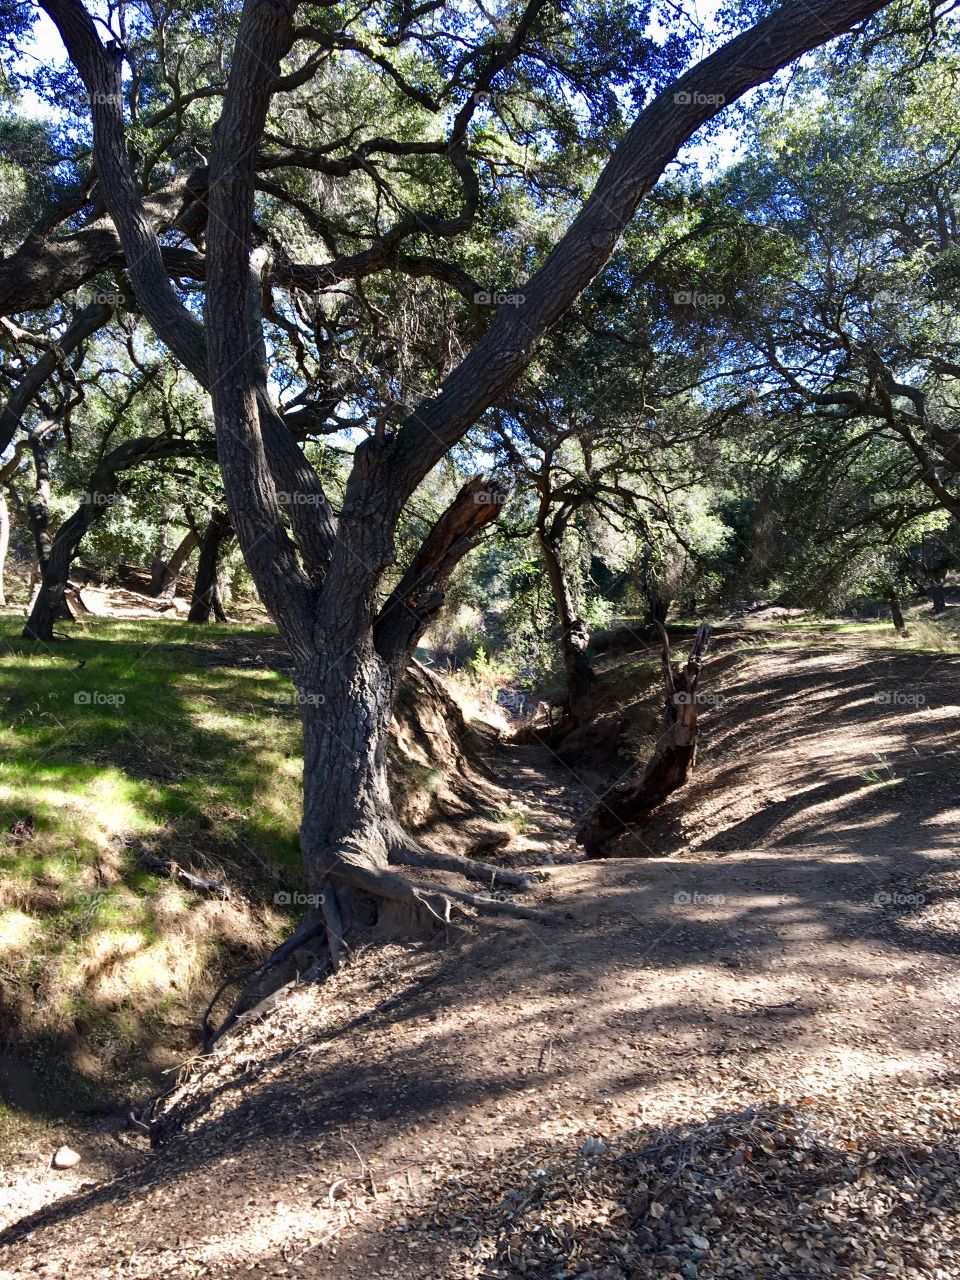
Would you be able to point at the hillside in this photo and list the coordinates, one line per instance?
(733, 1057)
(133, 753)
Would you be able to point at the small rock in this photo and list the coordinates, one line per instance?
(65, 1158)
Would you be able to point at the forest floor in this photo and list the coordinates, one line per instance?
(735, 1053)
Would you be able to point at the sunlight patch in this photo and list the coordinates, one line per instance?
(17, 931)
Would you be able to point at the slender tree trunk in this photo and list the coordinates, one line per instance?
(161, 555)
(38, 505)
(938, 597)
(102, 490)
(209, 588)
(4, 544)
(167, 578)
(574, 631)
(87, 322)
(49, 603)
(896, 614)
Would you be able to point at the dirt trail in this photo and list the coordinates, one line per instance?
(736, 1060)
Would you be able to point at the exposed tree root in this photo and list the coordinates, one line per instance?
(434, 901)
(313, 926)
(334, 923)
(485, 873)
(428, 903)
(670, 765)
(501, 906)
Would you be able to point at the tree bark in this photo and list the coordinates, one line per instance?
(574, 631)
(38, 517)
(38, 504)
(167, 578)
(658, 606)
(896, 614)
(161, 555)
(938, 597)
(670, 765)
(209, 587)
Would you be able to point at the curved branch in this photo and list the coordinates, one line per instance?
(420, 592)
(650, 145)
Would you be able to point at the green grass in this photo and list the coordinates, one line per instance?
(122, 740)
(518, 821)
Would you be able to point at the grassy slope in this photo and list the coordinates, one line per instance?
(127, 741)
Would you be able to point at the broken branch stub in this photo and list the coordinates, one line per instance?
(670, 765)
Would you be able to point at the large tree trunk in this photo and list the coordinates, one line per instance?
(346, 705)
(50, 602)
(209, 587)
(670, 765)
(38, 518)
(658, 607)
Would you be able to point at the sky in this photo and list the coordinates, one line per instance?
(46, 48)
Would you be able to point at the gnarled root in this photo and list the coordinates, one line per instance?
(485, 873)
(312, 927)
(437, 902)
(428, 904)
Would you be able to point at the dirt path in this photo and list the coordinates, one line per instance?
(737, 1060)
(548, 798)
